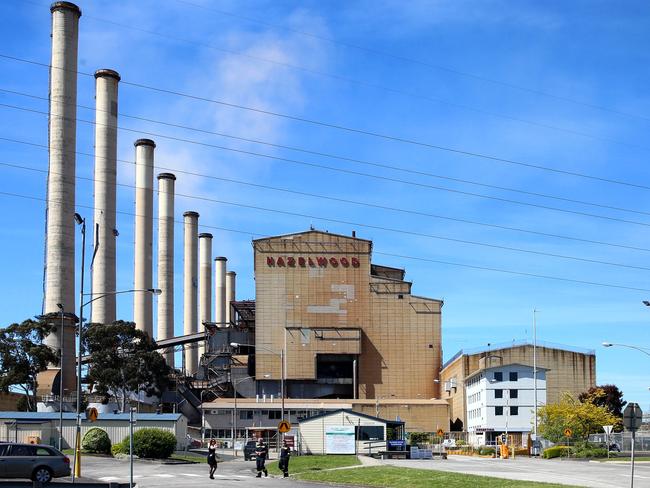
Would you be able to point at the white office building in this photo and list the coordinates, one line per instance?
(501, 400)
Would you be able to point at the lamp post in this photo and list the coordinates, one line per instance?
(61, 380)
(154, 291)
(535, 368)
(640, 349)
(234, 416)
(282, 372)
(377, 402)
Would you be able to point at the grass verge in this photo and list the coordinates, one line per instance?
(625, 458)
(393, 477)
(190, 458)
(309, 464)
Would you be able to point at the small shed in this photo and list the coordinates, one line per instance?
(20, 426)
(345, 431)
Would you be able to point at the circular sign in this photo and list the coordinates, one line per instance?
(568, 432)
(440, 432)
(284, 427)
(91, 414)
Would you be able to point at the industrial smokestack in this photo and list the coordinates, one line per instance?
(205, 284)
(166, 183)
(231, 278)
(143, 302)
(220, 290)
(190, 286)
(103, 279)
(59, 283)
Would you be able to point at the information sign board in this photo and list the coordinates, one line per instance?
(340, 439)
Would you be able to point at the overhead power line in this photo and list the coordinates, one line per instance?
(343, 158)
(463, 265)
(359, 224)
(352, 130)
(340, 170)
(420, 62)
(165, 167)
(355, 81)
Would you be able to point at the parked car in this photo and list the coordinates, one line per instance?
(249, 450)
(33, 461)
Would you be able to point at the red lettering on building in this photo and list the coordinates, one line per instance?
(311, 262)
(322, 262)
(280, 261)
(334, 262)
(355, 263)
(291, 261)
(301, 263)
(270, 261)
(344, 262)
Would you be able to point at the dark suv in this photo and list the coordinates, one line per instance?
(33, 461)
(249, 450)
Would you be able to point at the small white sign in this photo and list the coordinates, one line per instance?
(608, 429)
(339, 439)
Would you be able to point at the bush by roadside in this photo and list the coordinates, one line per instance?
(149, 443)
(96, 441)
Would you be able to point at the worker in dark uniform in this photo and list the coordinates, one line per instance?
(285, 453)
(261, 452)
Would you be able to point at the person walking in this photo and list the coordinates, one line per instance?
(285, 453)
(212, 457)
(261, 452)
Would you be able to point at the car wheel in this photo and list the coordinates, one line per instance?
(42, 474)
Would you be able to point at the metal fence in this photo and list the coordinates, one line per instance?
(623, 440)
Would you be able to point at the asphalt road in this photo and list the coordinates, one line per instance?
(593, 474)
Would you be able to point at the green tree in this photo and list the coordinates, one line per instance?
(583, 418)
(23, 355)
(123, 360)
(608, 396)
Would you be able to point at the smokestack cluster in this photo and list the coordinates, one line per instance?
(59, 281)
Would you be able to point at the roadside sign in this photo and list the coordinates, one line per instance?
(290, 440)
(632, 416)
(608, 429)
(568, 432)
(440, 432)
(284, 426)
(92, 414)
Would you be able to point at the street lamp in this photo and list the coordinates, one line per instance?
(60, 306)
(234, 417)
(641, 349)
(96, 296)
(377, 402)
(507, 390)
(282, 372)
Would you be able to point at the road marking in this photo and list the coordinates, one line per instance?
(194, 475)
(164, 475)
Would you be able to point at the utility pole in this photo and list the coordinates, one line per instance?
(535, 367)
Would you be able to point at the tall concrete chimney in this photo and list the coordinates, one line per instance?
(103, 279)
(59, 284)
(142, 301)
(166, 183)
(220, 290)
(205, 284)
(231, 279)
(190, 286)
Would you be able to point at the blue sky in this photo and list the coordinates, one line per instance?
(550, 84)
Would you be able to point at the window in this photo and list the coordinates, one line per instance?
(498, 376)
(514, 410)
(22, 450)
(43, 451)
(513, 376)
(514, 393)
(498, 410)
(370, 433)
(3, 449)
(498, 393)
(275, 414)
(245, 415)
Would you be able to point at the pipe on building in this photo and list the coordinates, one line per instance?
(205, 284)
(220, 291)
(166, 184)
(103, 272)
(143, 268)
(190, 286)
(231, 280)
(59, 286)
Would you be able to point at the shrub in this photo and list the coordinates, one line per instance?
(590, 452)
(96, 440)
(152, 443)
(120, 447)
(460, 442)
(486, 451)
(416, 438)
(556, 451)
